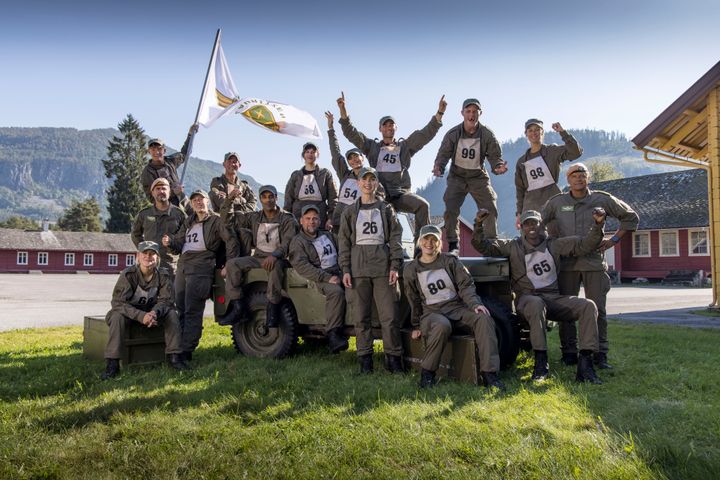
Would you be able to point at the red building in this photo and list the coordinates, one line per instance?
(673, 234)
(64, 252)
(466, 231)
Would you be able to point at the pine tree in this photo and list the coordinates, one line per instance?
(20, 222)
(81, 217)
(124, 164)
(603, 171)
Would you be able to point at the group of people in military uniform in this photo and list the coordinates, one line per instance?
(348, 243)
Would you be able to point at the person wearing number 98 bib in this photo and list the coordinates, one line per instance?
(534, 261)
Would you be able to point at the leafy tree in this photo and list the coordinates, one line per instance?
(124, 164)
(603, 171)
(81, 216)
(19, 222)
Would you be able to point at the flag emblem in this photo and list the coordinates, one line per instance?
(262, 115)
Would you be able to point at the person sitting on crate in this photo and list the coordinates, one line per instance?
(534, 260)
(144, 294)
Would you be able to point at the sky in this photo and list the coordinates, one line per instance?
(611, 65)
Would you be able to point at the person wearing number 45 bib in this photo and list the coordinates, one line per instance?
(371, 255)
(537, 171)
(534, 261)
(312, 185)
(468, 145)
(442, 295)
(391, 158)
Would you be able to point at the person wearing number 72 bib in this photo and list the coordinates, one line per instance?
(534, 260)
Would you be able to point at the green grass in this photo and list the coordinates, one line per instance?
(312, 416)
(708, 312)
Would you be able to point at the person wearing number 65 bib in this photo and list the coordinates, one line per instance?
(537, 171)
(534, 261)
(371, 255)
(442, 297)
(312, 185)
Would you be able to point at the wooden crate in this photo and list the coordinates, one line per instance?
(141, 345)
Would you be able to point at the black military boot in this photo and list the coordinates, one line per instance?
(235, 313)
(427, 379)
(272, 319)
(112, 369)
(394, 364)
(453, 249)
(175, 360)
(540, 372)
(490, 379)
(569, 359)
(600, 360)
(585, 370)
(337, 342)
(366, 363)
(186, 357)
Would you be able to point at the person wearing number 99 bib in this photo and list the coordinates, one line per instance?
(534, 261)
(371, 255)
(537, 171)
(198, 241)
(442, 295)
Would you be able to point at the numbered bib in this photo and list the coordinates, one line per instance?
(194, 239)
(467, 154)
(268, 237)
(142, 298)
(349, 191)
(309, 189)
(436, 286)
(369, 227)
(540, 269)
(326, 252)
(389, 159)
(537, 174)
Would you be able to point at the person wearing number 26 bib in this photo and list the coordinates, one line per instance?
(537, 171)
(534, 261)
(442, 297)
(371, 255)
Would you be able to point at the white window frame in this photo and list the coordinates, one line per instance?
(43, 258)
(707, 242)
(86, 257)
(71, 256)
(129, 259)
(660, 243)
(649, 244)
(111, 257)
(22, 258)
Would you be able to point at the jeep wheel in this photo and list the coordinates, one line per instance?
(254, 339)
(504, 329)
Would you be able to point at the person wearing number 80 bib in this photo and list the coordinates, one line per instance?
(312, 185)
(534, 260)
(442, 295)
(371, 255)
(537, 171)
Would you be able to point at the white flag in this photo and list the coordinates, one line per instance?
(220, 94)
(278, 117)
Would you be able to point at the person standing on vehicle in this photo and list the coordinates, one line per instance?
(534, 260)
(391, 157)
(347, 169)
(468, 145)
(312, 185)
(161, 218)
(314, 255)
(442, 295)
(270, 231)
(538, 170)
(144, 294)
(199, 242)
(229, 181)
(568, 214)
(371, 256)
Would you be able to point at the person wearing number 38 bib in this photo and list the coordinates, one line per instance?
(442, 297)
(534, 260)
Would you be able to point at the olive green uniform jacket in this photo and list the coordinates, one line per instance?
(151, 224)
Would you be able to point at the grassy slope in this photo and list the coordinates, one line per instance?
(311, 416)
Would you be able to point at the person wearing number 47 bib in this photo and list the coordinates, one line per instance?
(534, 261)
(391, 158)
(468, 145)
(537, 171)
(442, 295)
(312, 185)
(371, 256)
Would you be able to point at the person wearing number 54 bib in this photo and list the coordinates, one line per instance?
(534, 261)
(537, 171)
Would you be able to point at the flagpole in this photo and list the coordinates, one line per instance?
(202, 94)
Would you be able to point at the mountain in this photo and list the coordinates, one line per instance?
(598, 146)
(42, 170)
